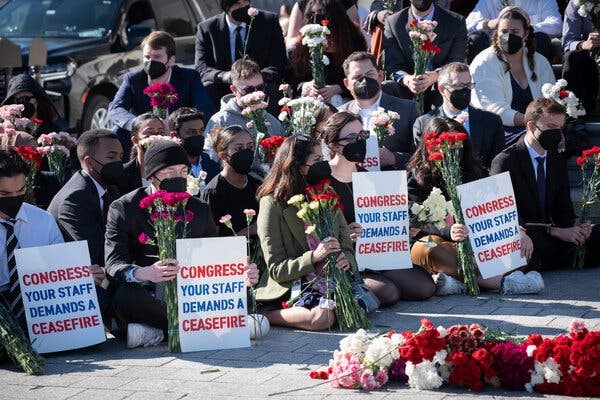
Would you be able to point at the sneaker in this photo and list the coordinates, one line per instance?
(143, 335)
(520, 283)
(445, 285)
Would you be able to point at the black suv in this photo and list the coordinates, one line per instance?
(93, 43)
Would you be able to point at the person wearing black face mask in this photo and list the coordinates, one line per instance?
(363, 79)
(484, 128)
(131, 263)
(233, 190)
(542, 193)
(22, 225)
(188, 125)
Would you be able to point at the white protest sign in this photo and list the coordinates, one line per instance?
(490, 212)
(59, 296)
(372, 162)
(381, 208)
(211, 293)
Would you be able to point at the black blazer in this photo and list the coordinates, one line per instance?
(485, 132)
(45, 187)
(559, 208)
(126, 221)
(451, 39)
(266, 47)
(132, 179)
(209, 166)
(76, 209)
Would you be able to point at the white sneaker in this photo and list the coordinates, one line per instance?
(519, 283)
(143, 335)
(445, 285)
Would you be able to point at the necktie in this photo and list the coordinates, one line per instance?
(105, 205)
(541, 185)
(239, 44)
(14, 300)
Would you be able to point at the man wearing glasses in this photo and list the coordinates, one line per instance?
(484, 128)
(363, 80)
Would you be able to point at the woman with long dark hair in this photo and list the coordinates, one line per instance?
(441, 259)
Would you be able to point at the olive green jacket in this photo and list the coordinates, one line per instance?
(285, 248)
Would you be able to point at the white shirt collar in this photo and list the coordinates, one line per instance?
(428, 17)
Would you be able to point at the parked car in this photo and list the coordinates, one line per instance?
(93, 43)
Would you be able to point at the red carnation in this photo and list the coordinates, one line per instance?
(437, 156)
(314, 374)
(581, 160)
(30, 154)
(325, 22)
(563, 94)
(37, 121)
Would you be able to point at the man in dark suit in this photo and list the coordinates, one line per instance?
(221, 40)
(451, 38)
(159, 66)
(132, 264)
(541, 185)
(484, 128)
(363, 80)
(81, 206)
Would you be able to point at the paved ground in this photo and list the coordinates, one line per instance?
(283, 359)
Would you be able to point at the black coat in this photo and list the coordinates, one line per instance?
(132, 179)
(559, 208)
(126, 221)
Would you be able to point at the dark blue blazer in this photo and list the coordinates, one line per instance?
(211, 167)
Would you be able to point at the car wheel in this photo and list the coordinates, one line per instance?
(96, 115)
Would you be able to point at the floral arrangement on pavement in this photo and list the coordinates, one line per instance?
(382, 123)
(445, 152)
(468, 356)
(566, 98)
(162, 96)
(56, 148)
(422, 35)
(314, 36)
(590, 184)
(319, 208)
(169, 220)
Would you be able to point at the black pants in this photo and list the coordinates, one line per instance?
(479, 41)
(581, 72)
(133, 303)
(551, 253)
(433, 98)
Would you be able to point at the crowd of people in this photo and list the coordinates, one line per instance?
(485, 81)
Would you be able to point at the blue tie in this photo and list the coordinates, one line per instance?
(541, 185)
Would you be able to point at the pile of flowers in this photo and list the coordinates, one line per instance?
(422, 35)
(566, 98)
(56, 147)
(162, 96)
(471, 357)
(269, 147)
(299, 113)
(382, 123)
(314, 36)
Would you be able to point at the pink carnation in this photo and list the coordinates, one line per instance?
(143, 238)
(225, 218)
(253, 12)
(249, 212)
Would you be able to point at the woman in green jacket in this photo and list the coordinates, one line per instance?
(295, 260)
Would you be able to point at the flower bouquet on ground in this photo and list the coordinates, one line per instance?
(169, 219)
(314, 37)
(445, 151)
(422, 35)
(434, 210)
(269, 147)
(590, 184)
(56, 147)
(319, 208)
(162, 96)
(34, 159)
(382, 124)
(16, 344)
(299, 113)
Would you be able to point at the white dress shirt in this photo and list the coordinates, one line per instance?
(232, 34)
(367, 113)
(34, 227)
(533, 154)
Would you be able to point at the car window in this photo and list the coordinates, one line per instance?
(174, 17)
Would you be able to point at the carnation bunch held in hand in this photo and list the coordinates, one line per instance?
(162, 96)
(382, 123)
(34, 159)
(314, 37)
(566, 98)
(422, 36)
(445, 152)
(169, 220)
(56, 148)
(590, 184)
(254, 108)
(269, 147)
(434, 210)
(300, 113)
(320, 208)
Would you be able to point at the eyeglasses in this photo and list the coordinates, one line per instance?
(353, 137)
(251, 89)
(460, 86)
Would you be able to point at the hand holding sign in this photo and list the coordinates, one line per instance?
(251, 274)
(458, 232)
(97, 273)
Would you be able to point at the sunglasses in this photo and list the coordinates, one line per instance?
(251, 89)
(354, 137)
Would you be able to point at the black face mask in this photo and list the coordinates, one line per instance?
(317, 172)
(174, 185)
(366, 88)
(241, 14)
(154, 69)
(549, 139)
(111, 172)
(11, 205)
(193, 145)
(241, 161)
(319, 17)
(509, 43)
(460, 98)
(421, 5)
(355, 151)
(29, 109)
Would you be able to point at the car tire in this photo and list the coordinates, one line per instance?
(96, 114)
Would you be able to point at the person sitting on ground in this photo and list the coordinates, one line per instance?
(510, 73)
(345, 138)
(541, 183)
(441, 261)
(132, 265)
